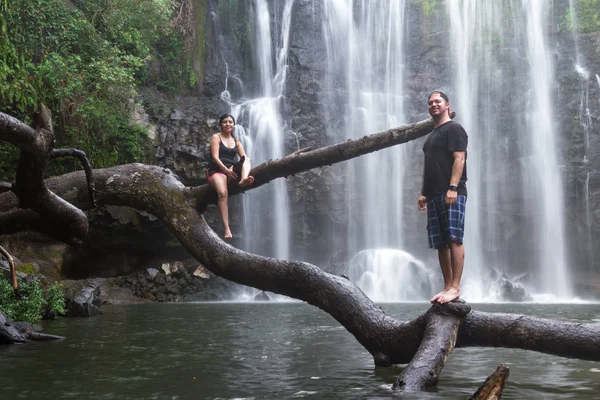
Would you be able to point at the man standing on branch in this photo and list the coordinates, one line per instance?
(444, 193)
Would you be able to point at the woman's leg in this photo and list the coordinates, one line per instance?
(219, 182)
(247, 179)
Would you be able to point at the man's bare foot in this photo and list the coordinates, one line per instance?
(437, 296)
(247, 181)
(227, 235)
(449, 295)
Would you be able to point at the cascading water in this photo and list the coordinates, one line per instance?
(471, 26)
(544, 171)
(485, 57)
(262, 126)
(389, 275)
(364, 89)
(501, 86)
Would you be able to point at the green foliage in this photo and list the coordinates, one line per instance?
(56, 299)
(84, 59)
(29, 305)
(586, 14)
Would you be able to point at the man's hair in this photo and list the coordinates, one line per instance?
(442, 95)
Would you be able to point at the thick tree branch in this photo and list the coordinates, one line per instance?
(87, 167)
(17, 133)
(67, 222)
(564, 339)
(13, 271)
(321, 157)
(158, 192)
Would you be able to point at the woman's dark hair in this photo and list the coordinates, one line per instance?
(222, 117)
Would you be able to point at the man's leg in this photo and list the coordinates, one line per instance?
(457, 259)
(445, 259)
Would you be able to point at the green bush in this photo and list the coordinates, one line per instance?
(85, 60)
(31, 303)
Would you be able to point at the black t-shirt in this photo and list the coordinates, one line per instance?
(438, 149)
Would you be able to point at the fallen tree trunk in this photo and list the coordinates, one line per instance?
(158, 191)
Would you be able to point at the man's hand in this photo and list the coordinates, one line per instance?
(451, 196)
(422, 203)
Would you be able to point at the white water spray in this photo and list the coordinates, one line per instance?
(365, 50)
(264, 133)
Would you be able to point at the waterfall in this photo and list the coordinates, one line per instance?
(498, 69)
(261, 126)
(487, 61)
(364, 82)
(388, 275)
(472, 27)
(545, 170)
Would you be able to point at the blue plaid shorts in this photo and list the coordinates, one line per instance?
(445, 223)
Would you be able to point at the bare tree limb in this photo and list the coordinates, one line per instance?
(13, 271)
(87, 167)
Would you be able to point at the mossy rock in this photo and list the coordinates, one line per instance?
(30, 268)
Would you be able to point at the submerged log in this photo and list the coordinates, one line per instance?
(493, 386)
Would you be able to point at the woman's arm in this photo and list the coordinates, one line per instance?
(240, 149)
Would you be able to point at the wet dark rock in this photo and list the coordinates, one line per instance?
(513, 291)
(87, 302)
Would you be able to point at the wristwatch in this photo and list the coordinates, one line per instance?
(454, 188)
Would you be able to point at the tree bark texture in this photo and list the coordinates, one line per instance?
(439, 340)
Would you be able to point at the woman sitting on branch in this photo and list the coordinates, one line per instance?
(223, 149)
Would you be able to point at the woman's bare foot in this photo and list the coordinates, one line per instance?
(247, 181)
(449, 295)
(227, 235)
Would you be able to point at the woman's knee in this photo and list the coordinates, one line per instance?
(222, 193)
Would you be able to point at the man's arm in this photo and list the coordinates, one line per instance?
(457, 169)
(422, 201)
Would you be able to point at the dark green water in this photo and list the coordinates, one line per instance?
(263, 351)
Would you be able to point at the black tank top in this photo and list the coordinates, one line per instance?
(226, 155)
